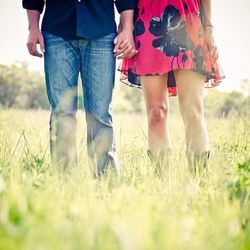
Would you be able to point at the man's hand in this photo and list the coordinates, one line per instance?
(213, 52)
(124, 44)
(35, 35)
(35, 38)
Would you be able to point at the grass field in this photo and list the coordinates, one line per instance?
(41, 211)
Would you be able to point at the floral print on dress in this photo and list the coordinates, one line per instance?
(199, 59)
(139, 28)
(169, 36)
(172, 33)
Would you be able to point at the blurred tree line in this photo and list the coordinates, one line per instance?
(25, 89)
(21, 88)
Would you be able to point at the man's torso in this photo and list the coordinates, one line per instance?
(73, 19)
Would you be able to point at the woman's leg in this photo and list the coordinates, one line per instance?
(156, 99)
(190, 87)
(190, 92)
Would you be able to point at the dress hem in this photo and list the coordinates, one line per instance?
(172, 89)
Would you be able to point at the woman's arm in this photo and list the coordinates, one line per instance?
(207, 12)
(208, 29)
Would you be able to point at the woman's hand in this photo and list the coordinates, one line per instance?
(213, 52)
(124, 43)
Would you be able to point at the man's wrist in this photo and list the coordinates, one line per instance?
(33, 20)
(128, 27)
(33, 28)
(127, 18)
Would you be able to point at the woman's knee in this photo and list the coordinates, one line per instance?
(158, 113)
(193, 114)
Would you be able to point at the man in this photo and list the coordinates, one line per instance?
(78, 36)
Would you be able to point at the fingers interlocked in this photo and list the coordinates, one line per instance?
(124, 48)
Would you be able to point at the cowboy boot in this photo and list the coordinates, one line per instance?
(161, 161)
(197, 162)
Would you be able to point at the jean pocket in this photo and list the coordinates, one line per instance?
(104, 42)
(52, 41)
(48, 35)
(111, 35)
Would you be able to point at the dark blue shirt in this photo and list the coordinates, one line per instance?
(74, 19)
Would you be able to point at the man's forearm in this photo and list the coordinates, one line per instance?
(207, 11)
(127, 19)
(33, 19)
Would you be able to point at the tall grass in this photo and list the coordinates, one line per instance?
(40, 210)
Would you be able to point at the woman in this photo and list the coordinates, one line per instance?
(176, 54)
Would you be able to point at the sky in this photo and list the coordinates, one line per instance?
(232, 34)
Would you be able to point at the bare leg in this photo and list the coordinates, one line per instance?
(190, 92)
(156, 99)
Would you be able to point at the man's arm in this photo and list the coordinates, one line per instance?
(33, 5)
(122, 5)
(34, 9)
(124, 42)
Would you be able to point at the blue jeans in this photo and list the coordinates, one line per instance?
(94, 60)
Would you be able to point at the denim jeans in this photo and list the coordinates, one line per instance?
(94, 60)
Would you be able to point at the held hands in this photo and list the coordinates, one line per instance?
(35, 38)
(124, 44)
(213, 52)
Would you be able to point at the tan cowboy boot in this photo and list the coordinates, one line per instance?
(161, 161)
(198, 163)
